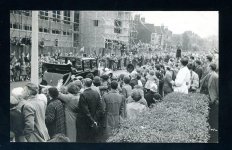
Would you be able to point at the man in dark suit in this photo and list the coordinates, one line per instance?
(90, 113)
(198, 68)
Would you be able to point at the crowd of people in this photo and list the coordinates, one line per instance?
(90, 109)
(20, 69)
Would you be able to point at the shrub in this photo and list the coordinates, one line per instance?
(179, 118)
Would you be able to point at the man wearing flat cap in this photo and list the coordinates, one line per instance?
(33, 112)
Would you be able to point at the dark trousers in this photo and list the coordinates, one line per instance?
(213, 122)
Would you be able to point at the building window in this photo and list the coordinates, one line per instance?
(53, 31)
(40, 29)
(46, 30)
(43, 15)
(67, 17)
(56, 16)
(117, 23)
(117, 30)
(11, 25)
(17, 26)
(26, 13)
(95, 23)
(64, 33)
(16, 12)
(26, 27)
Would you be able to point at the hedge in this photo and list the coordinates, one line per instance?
(179, 118)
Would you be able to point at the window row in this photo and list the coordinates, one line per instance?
(21, 12)
(41, 29)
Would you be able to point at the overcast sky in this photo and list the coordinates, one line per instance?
(203, 23)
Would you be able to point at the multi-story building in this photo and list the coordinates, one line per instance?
(161, 37)
(107, 31)
(144, 29)
(58, 31)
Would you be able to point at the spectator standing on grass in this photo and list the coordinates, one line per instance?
(33, 112)
(16, 120)
(213, 104)
(71, 101)
(114, 108)
(167, 81)
(126, 88)
(55, 116)
(198, 68)
(194, 84)
(90, 111)
(182, 81)
(206, 67)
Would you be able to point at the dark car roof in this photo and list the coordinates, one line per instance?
(75, 57)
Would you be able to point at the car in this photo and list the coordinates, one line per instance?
(65, 67)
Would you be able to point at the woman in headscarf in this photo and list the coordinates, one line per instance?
(71, 101)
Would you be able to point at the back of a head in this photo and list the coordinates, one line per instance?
(53, 92)
(88, 82)
(190, 66)
(126, 80)
(114, 85)
(198, 62)
(90, 75)
(78, 83)
(97, 81)
(32, 88)
(136, 95)
(121, 76)
(213, 66)
(184, 61)
(209, 58)
(73, 89)
(17, 92)
(157, 66)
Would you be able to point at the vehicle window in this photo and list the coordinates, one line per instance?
(94, 64)
(87, 64)
(78, 64)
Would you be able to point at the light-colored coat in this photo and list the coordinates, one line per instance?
(71, 103)
(213, 87)
(33, 112)
(182, 81)
(114, 109)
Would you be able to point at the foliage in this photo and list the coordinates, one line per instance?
(179, 118)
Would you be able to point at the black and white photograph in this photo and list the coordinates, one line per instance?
(114, 76)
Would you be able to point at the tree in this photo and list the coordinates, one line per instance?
(186, 41)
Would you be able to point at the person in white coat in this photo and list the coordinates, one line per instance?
(182, 81)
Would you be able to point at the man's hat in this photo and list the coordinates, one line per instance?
(32, 86)
(96, 79)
